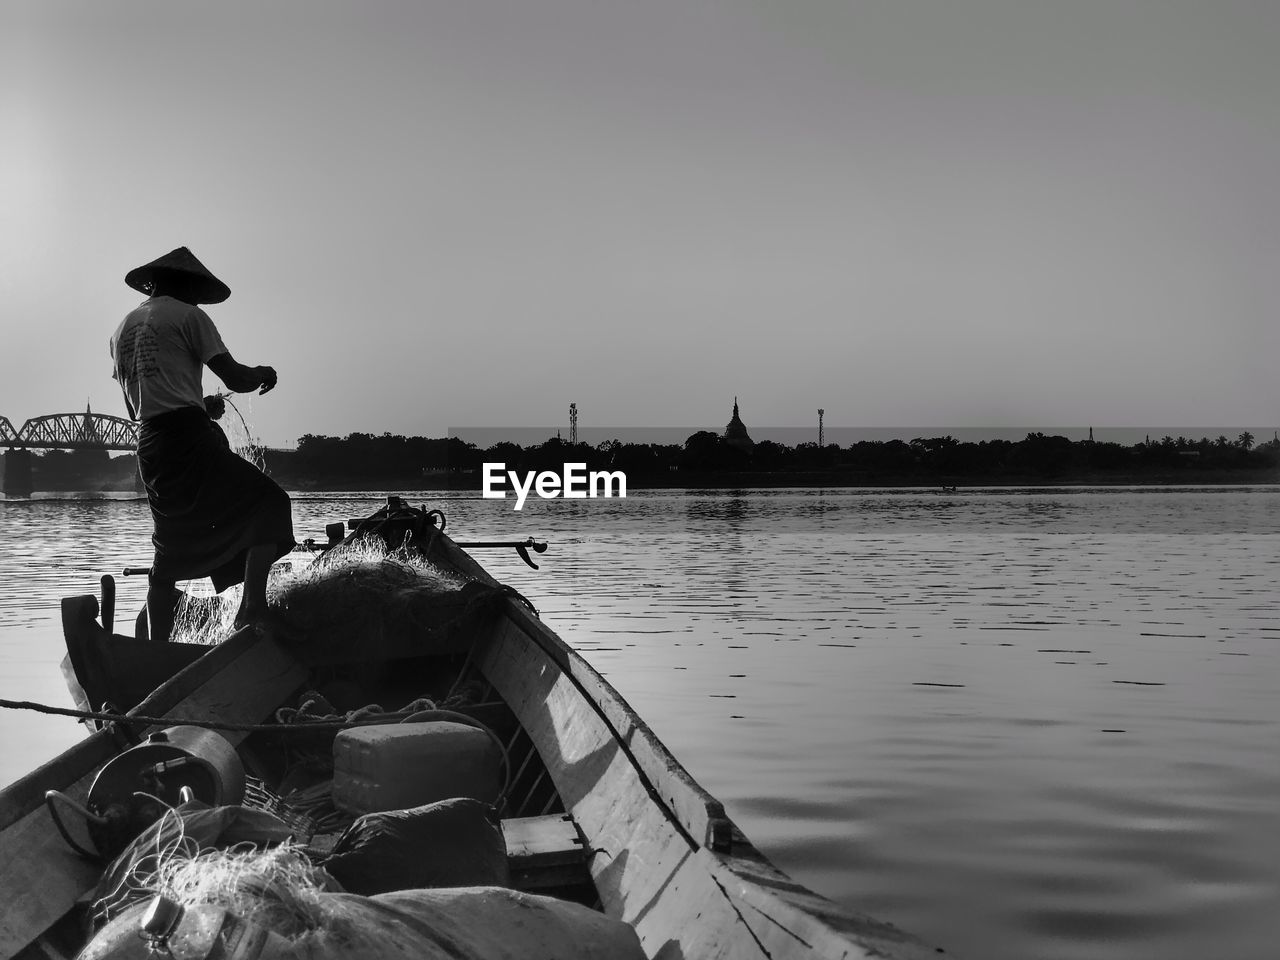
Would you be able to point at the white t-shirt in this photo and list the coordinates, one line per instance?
(159, 352)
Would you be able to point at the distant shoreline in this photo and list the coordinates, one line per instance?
(775, 482)
(765, 481)
(361, 464)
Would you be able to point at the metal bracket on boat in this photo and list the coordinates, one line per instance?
(159, 923)
(89, 816)
(521, 547)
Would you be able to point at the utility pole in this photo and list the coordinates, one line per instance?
(573, 423)
(820, 413)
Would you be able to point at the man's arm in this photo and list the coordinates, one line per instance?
(238, 377)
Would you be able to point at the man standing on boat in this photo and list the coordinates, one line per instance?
(215, 514)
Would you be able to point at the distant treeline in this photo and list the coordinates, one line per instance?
(88, 470)
(365, 459)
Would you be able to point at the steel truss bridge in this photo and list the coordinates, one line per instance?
(71, 431)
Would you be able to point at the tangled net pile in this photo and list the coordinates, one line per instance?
(276, 888)
(267, 880)
(357, 591)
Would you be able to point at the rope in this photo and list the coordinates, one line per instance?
(367, 719)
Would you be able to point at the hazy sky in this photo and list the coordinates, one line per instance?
(434, 214)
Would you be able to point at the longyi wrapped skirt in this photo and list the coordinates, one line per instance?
(209, 505)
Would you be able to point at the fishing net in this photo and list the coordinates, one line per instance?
(360, 592)
(155, 860)
(277, 888)
(236, 429)
(205, 619)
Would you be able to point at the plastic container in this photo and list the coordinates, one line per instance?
(397, 766)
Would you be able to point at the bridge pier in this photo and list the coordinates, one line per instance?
(17, 473)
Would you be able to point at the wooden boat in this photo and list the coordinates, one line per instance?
(597, 809)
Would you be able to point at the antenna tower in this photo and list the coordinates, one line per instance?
(820, 413)
(573, 423)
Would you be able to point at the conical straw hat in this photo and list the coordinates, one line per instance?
(204, 287)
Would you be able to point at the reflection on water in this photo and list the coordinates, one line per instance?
(1018, 723)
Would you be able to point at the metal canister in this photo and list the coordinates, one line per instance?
(204, 931)
(133, 790)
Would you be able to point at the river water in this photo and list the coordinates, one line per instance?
(1018, 723)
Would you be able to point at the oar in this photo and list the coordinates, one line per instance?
(521, 547)
(146, 571)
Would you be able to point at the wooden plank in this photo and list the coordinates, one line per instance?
(543, 841)
(246, 692)
(545, 852)
(241, 681)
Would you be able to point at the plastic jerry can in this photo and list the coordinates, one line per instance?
(402, 765)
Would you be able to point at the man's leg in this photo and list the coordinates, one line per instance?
(253, 601)
(161, 602)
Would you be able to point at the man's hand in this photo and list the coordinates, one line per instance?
(268, 377)
(242, 379)
(215, 407)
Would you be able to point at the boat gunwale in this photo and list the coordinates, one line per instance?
(783, 917)
(695, 811)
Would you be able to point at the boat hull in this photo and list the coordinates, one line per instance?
(660, 851)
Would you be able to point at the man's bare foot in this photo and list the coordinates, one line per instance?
(249, 616)
(266, 624)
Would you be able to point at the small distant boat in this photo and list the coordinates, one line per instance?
(597, 810)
